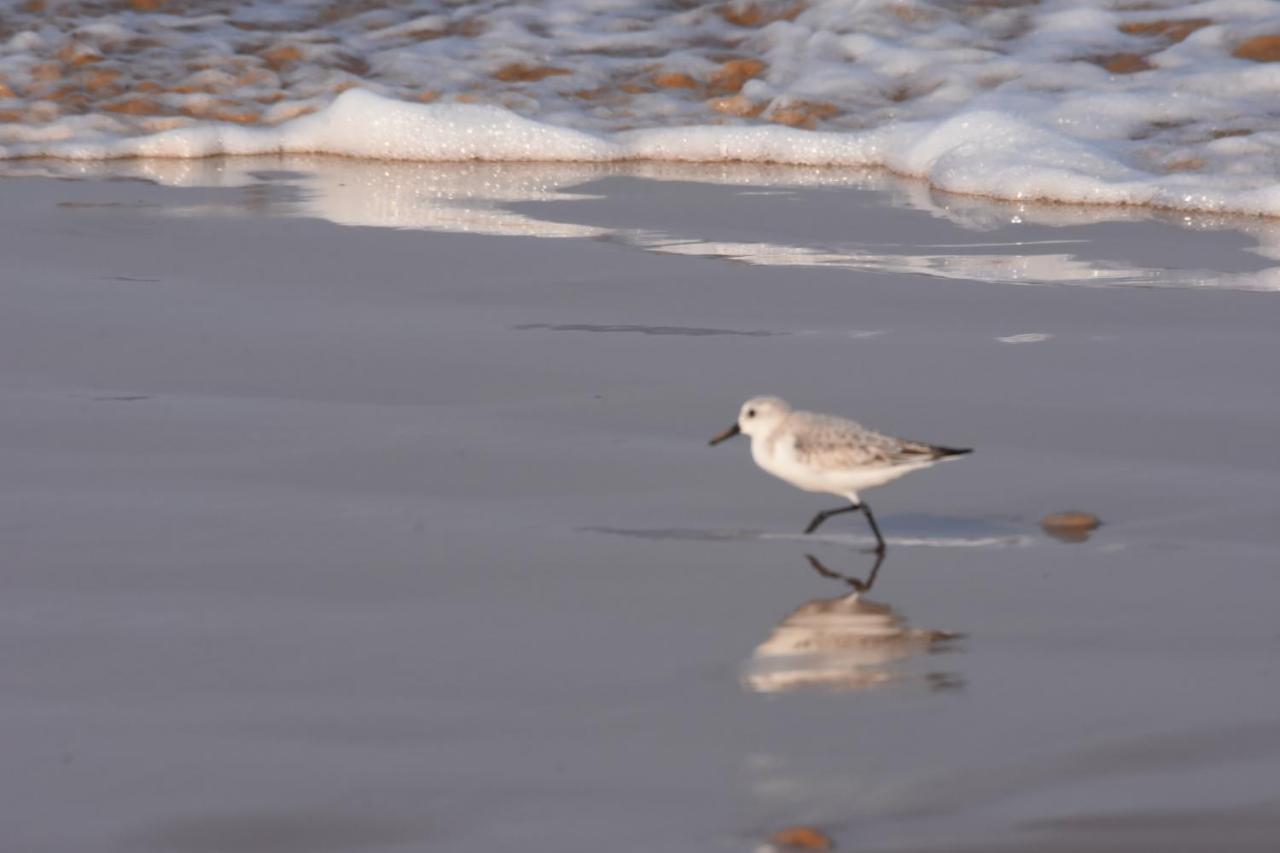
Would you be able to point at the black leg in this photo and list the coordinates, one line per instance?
(866, 510)
(875, 528)
(827, 513)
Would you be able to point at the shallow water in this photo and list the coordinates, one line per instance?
(342, 517)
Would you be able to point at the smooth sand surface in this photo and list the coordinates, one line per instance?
(350, 507)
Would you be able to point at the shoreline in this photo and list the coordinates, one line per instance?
(980, 153)
(753, 172)
(835, 168)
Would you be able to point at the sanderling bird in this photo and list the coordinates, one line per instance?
(829, 454)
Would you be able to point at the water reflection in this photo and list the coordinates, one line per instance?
(504, 199)
(845, 643)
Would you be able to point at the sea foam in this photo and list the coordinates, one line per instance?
(1096, 103)
(981, 152)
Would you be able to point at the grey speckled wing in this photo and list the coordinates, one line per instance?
(824, 441)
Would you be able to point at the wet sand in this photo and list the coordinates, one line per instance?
(351, 507)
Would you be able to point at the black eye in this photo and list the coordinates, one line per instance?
(751, 413)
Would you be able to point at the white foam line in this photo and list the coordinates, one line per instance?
(985, 152)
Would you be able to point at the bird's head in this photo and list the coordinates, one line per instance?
(758, 416)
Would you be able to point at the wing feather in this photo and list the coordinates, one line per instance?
(830, 442)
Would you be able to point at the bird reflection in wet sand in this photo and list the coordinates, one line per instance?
(844, 644)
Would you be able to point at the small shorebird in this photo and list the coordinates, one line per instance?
(829, 454)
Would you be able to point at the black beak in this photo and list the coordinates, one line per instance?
(726, 435)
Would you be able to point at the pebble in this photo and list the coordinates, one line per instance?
(1070, 526)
